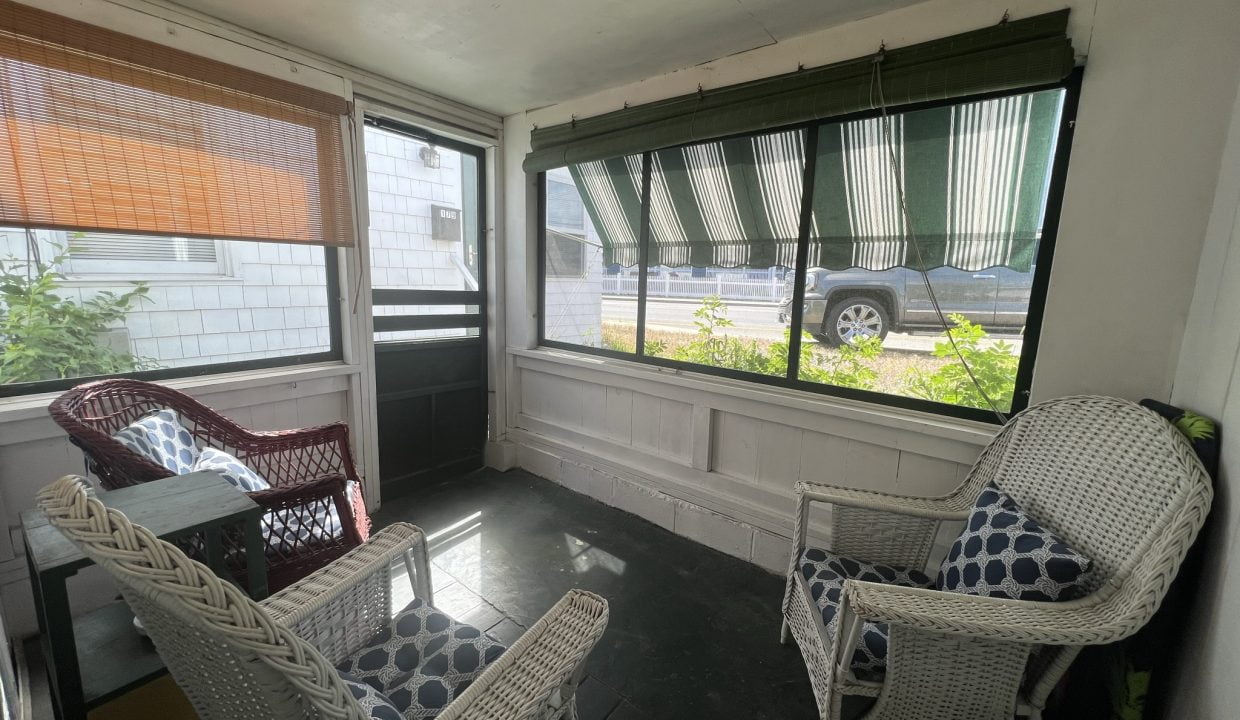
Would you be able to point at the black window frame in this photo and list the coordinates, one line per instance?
(1038, 292)
(331, 263)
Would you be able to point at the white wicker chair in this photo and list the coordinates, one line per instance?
(1116, 481)
(235, 658)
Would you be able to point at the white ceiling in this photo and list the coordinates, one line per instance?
(511, 55)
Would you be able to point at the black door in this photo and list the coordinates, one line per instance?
(427, 257)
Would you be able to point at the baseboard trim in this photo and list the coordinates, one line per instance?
(751, 534)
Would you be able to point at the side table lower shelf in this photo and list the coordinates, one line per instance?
(118, 657)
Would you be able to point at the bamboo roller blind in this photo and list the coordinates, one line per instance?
(100, 131)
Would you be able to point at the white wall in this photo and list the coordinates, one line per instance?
(1206, 382)
(1159, 85)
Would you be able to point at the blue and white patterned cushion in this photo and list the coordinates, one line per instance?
(825, 573)
(231, 469)
(1003, 552)
(161, 438)
(299, 526)
(375, 703)
(422, 660)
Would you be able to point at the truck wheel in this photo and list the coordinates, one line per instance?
(855, 317)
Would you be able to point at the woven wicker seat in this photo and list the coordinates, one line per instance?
(1116, 481)
(310, 470)
(278, 659)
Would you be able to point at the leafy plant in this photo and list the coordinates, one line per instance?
(994, 367)
(1195, 427)
(48, 337)
(716, 349)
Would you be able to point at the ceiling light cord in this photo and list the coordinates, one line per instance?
(876, 86)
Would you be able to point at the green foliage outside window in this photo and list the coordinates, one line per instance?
(47, 337)
(994, 367)
(852, 365)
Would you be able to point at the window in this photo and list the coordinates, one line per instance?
(136, 256)
(590, 290)
(566, 254)
(72, 306)
(704, 243)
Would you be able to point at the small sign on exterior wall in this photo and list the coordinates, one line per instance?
(445, 223)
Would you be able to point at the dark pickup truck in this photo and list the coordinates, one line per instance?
(841, 305)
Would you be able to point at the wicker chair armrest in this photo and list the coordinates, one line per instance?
(1087, 621)
(310, 435)
(293, 495)
(328, 591)
(953, 506)
(548, 658)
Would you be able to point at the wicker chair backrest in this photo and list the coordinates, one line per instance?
(1114, 479)
(227, 654)
(93, 412)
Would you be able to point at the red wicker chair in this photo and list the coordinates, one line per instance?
(307, 468)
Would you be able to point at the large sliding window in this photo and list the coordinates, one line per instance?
(898, 257)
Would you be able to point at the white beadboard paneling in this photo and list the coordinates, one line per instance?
(925, 476)
(28, 466)
(703, 431)
(279, 415)
(594, 409)
(870, 466)
(714, 530)
(554, 399)
(619, 423)
(734, 450)
(644, 503)
(779, 454)
(822, 458)
(321, 409)
(646, 413)
(676, 429)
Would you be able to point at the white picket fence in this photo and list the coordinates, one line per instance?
(763, 290)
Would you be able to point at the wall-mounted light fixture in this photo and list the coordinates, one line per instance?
(430, 156)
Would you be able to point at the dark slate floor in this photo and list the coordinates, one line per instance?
(693, 633)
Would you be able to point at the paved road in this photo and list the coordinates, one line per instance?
(756, 320)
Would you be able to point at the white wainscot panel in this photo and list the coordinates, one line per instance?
(619, 416)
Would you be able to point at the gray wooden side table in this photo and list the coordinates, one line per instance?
(96, 657)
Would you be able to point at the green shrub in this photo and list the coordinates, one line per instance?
(715, 349)
(994, 367)
(48, 337)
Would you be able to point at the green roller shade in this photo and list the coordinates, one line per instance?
(730, 203)
(611, 192)
(974, 176)
(1016, 54)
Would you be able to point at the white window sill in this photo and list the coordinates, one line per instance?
(941, 426)
(26, 407)
(151, 280)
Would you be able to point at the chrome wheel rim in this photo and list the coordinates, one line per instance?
(858, 321)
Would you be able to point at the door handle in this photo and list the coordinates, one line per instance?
(983, 277)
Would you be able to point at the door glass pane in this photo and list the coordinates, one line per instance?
(960, 190)
(424, 224)
(590, 256)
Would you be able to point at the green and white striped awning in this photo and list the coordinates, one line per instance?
(974, 175)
